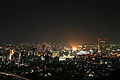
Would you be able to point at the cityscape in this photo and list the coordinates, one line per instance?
(50, 61)
(59, 40)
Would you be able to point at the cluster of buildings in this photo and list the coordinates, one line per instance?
(10, 52)
(42, 61)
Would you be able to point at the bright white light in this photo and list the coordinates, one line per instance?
(62, 59)
(82, 52)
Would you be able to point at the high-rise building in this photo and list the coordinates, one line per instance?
(102, 45)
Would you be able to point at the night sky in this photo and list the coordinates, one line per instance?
(82, 21)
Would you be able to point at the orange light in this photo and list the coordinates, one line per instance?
(74, 49)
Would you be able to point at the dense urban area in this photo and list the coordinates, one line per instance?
(51, 61)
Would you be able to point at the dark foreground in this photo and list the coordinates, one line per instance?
(97, 68)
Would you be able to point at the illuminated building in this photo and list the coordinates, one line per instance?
(55, 53)
(10, 55)
(102, 45)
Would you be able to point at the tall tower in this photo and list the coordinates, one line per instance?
(102, 45)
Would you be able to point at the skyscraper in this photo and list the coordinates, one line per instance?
(102, 45)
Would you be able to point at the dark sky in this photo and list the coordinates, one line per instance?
(82, 21)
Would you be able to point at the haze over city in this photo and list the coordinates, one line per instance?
(83, 21)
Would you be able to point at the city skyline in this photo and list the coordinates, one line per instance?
(83, 21)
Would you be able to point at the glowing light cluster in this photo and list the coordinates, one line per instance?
(74, 49)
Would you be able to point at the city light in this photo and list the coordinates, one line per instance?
(36, 60)
(59, 40)
(74, 49)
